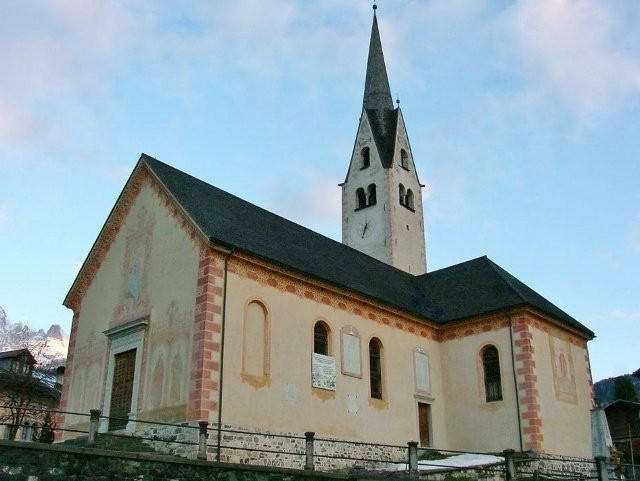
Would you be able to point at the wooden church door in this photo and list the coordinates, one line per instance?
(123, 372)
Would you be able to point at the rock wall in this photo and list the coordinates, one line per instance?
(36, 462)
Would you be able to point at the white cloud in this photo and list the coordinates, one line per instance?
(626, 315)
(315, 200)
(576, 51)
(16, 123)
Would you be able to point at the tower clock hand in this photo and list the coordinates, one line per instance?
(364, 230)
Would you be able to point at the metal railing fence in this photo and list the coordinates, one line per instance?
(303, 451)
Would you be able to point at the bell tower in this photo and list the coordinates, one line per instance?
(381, 194)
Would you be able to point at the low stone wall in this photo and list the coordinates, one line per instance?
(178, 440)
(287, 450)
(267, 448)
(35, 462)
(561, 466)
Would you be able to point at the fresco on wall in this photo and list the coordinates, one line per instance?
(134, 300)
(167, 367)
(563, 373)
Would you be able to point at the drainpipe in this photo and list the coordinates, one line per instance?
(224, 318)
(515, 382)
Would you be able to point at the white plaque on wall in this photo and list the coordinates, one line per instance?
(351, 364)
(421, 361)
(323, 372)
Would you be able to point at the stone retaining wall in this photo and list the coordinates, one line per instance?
(38, 462)
(561, 466)
(266, 448)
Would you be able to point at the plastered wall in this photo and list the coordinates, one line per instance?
(284, 400)
(148, 270)
(472, 422)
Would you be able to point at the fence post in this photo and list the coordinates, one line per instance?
(202, 440)
(413, 458)
(308, 450)
(601, 466)
(94, 420)
(509, 464)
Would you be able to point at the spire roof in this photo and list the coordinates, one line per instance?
(377, 94)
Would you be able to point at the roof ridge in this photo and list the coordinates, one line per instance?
(496, 268)
(475, 259)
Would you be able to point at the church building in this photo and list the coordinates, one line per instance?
(195, 305)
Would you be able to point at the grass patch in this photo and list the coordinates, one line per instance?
(432, 456)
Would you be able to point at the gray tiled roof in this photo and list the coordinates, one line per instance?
(462, 291)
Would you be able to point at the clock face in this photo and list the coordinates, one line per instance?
(364, 230)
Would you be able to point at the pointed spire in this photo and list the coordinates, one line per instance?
(377, 94)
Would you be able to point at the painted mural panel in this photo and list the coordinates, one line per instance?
(134, 298)
(563, 372)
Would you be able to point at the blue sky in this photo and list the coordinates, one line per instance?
(523, 116)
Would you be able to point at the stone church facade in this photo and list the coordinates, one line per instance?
(196, 305)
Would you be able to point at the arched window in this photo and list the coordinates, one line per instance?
(402, 193)
(409, 199)
(375, 368)
(491, 366)
(321, 338)
(361, 198)
(404, 159)
(365, 158)
(256, 334)
(372, 194)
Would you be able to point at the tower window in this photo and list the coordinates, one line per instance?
(404, 159)
(491, 367)
(375, 368)
(409, 199)
(321, 338)
(365, 158)
(361, 198)
(372, 194)
(402, 194)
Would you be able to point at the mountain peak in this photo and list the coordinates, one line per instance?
(49, 348)
(55, 332)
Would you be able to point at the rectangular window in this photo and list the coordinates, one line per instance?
(375, 368)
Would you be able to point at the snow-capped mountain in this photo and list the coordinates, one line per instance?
(49, 348)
